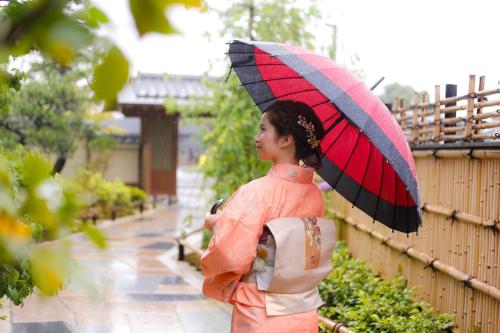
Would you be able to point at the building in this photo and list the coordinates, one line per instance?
(147, 152)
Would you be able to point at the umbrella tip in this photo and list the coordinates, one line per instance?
(377, 83)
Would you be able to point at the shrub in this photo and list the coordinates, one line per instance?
(105, 195)
(358, 297)
(136, 194)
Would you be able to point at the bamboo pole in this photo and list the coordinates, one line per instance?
(470, 108)
(494, 136)
(480, 99)
(449, 121)
(487, 125)
(402, 106)
(334, 326)
(427, 113)
(423, 116)
(482, 93)
(435, 263)
(453, 129)
(414, 132)
(485, 115)
(453, 99)
(453, 109)
(425, 130)
(395, 108)
(458, 153)
(451, 137)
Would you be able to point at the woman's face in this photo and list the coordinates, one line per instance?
(266, 140)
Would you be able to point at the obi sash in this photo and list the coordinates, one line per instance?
(293, 257)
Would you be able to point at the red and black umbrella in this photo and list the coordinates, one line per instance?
(365, 155)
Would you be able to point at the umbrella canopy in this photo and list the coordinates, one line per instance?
(365, 155)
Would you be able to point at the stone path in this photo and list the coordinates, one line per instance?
(137, 290)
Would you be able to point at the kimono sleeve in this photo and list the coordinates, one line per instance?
(233, 246)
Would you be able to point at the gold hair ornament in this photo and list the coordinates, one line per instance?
(311, 138)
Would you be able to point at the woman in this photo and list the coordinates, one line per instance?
(289, 133)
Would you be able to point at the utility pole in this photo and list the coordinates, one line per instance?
(332, 52)
(251, 13)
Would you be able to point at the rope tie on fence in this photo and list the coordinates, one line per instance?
(467, 282)
(453, 216)
(434, 154)
(495, 226)
(405, 250)
(469, 154)
(384, 241)
(431, 264)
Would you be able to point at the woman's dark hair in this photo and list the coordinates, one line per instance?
(284, 116)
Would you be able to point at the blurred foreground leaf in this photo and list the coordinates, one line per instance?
(110, 76)
(50, 269)
(149, 15)
(95, 235)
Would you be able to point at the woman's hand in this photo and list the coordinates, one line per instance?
(211, 220)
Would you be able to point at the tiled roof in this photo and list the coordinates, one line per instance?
(154, 89)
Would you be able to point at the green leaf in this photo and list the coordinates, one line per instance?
(95, 17)
(50, 269)
(95, 235)
(149, 15)
(110, 76)
(36, 170)
(63, 39)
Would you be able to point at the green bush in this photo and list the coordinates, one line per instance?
(358, 297)
(105, 195)
(136, 194)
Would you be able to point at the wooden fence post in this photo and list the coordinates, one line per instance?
(437, 113)
(395, 110)
(470, 108)
(480, 99)
(451, 91)
(414, 130)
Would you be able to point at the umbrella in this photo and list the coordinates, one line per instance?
(365, 156)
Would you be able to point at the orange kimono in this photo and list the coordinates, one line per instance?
(287, 190)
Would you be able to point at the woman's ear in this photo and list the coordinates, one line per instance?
(286, 141)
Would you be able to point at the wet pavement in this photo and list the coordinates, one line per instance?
(139, 286)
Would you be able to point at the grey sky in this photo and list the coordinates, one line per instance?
(419, 43)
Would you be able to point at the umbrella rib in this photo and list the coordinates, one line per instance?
(285, 95)
(379, 189)
(335, 123)
(320, 103)
(329, 118)
(364, 176)
(348, 160)
(275, 79)
(331, 145)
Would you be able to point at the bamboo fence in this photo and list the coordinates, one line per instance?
(454, 259)
(422, 122)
